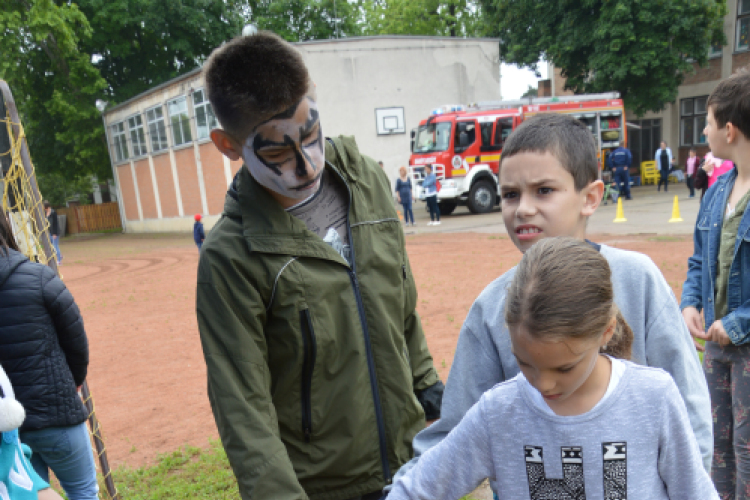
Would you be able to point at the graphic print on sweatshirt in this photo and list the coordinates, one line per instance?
(572, 486)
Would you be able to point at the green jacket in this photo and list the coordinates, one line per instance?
(312, 364)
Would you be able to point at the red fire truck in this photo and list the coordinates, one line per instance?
(464, 143)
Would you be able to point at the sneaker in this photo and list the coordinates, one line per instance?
(430, 223)
(437, 223)
(413, 223)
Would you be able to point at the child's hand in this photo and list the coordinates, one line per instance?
(695, 326)
(718, 334)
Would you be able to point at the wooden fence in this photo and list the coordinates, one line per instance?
(92, 218)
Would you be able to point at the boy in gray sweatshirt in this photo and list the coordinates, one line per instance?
(550, 187)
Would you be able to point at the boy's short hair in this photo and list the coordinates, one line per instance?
(46, 204)
(730, 101)
(564, 137)
(252, 78)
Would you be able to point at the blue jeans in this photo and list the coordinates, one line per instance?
(56, 246)
(622, 178)
(408, 212)
(432, 205)
(67, 451)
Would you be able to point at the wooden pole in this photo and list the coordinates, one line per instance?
(40, 219)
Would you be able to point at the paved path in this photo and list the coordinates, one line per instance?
(647, 213)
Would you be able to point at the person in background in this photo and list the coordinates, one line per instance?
(429, 184)
(198, 234)
(715, 168)
(403, 195)
(691, 167)
(54, 229)
(619, 162)
(45, 353)
(381, 164)
(663, 157)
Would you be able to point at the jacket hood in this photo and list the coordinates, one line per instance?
(9, 262)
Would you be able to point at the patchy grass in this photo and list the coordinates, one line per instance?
(187, 473)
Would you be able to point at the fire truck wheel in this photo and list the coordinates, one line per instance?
(481, 197)
(446, 207)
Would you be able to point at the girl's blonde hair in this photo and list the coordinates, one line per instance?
(563, 289)
(402, 170)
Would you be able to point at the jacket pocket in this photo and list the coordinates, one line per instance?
(308, 365)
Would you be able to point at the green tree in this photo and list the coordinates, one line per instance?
(302, 20)
(138, 44)
(530, 92)
(54, 84)
(641, 49)
(421, 17)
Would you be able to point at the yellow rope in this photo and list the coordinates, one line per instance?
(18, 202)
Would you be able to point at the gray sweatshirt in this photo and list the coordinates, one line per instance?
(635, 444)
(661, 339)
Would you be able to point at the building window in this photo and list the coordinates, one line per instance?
(137, 135)
(156, 128)
(120, 141)
(714, 51)
(205, 120)
(743, 24)
(692, 121)
(178, 116)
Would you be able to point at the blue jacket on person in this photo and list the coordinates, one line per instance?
(198, 234)
(620, 157)
(429, 184)
(699, 288)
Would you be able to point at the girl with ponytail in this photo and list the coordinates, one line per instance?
(580, 420)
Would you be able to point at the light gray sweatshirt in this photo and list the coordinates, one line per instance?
(635, 444)
(661, 339)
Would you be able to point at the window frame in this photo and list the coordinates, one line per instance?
(120, 141)
(180, 122)
(696, 119)
(208, 111)
(741, 17)
(140, 147)
(162, 131)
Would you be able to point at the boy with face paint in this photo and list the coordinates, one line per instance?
(319, 375)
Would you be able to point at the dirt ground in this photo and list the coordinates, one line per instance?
(137, 296)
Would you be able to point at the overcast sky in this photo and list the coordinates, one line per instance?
(515, 81)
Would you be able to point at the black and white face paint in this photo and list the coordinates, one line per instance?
(286, 152)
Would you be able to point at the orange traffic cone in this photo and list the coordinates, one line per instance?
(676, 211)
(620, 216)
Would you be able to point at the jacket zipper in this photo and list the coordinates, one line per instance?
(308, 365)
(366, 333)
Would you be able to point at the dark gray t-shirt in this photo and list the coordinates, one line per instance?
(324, 213)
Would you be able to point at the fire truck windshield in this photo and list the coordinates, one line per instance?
(433, 137)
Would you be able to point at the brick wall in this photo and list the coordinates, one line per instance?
(740, 60)
(146, 189)
(187, 173)
(128, 192)
(165, 182)
(704, 74)
(213, 177)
